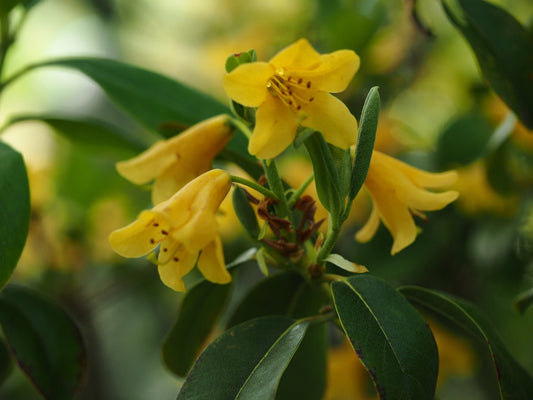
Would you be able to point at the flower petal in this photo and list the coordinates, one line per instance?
(331, 117)
(334, 72)
(299, 55)
(394, 214)
(172, 180)
(246, 84)
(418, 176)
(147, 165)
(274, 131)
(211, 263)
(370, 228)
(172, 272)
(141, 236)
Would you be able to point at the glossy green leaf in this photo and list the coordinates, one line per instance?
(150, 98)
(245, 362)
(524, 300)
(514, 382)
(271, 296)
(464, 140)
(14, 210)
(391, 338)
(45, 342)
(89, 132)
(289, 295)
(365, 140)
(234, 60)
(327, 178)
(503, 48)
(6, 363)
(245, 212)
(305, 377)
(197, 317)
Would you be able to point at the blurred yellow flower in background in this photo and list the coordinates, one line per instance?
(186, 229)
(398, 191)
(478, 196)
(176, 161)
(294, 88)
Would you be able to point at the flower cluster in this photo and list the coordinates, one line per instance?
(290, 91)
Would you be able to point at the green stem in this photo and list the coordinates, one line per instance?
(276, 185)
(261, 189)
(334, 229)
(298, 192)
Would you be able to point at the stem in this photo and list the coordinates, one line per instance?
(276, 185)
(261, 189)
(334, 230)
(298, 192)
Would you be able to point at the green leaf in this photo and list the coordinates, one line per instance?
(197, 316)
(288, 294)
(245, 362)
(327, 179)
(503, 49)
(88, 132)
(245, 212)
(245, 256)
(150, 98)
(45, 342)
(6, 363)
(464, 140)
(514, 382)
(390, 337)
(237, 59)
(271, 296)
(365, 140)
(524, 300)
(14, 210)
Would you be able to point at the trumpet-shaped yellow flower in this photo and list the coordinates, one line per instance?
(186, 230)
(176, 161)
(398, 192)
(293, 89)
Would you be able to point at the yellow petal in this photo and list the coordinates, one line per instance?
(202, 193)
(394, 214)
(141, 236)
(172, 272)
(274, 130)
(211, 263)
(299, 55)
(172, 180)
(149, 164)
(201, 226)
(334, 72)
(332, 118)
(370, 228)
(417, 176)
(246, 84)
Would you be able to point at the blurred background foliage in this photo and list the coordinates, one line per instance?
(437, 113)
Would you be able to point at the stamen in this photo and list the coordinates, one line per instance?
(283, 88)
(156, 224)
(152, 241)
(176, 259)
(164, 232)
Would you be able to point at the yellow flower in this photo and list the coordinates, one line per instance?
(397, 192)
(291, 89)
(176, 161)
(186, 229)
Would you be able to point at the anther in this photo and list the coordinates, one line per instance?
(311, 99)
(176, 259)
(164, 232)
(165, 249)
(152, 241)
(156, 224)
(308, 84)
(300, 80)
(299, 107)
